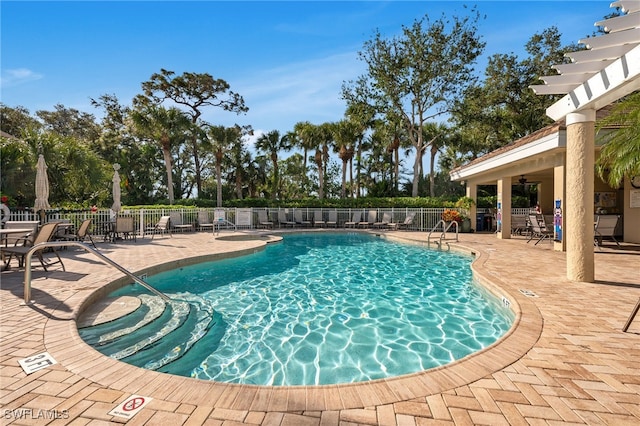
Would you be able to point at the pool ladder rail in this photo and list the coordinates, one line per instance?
(442, 236)
(42, 246)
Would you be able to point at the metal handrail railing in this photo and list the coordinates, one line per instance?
(445, 229)
(41, 246)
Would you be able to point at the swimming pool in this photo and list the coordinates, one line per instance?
(320, 308)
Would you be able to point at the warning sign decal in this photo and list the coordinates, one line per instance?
(130, 406)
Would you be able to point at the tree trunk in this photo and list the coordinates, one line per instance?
(167, 162)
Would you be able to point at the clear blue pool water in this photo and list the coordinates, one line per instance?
(326, 308)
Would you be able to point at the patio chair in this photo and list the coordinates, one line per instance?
(605, 226)
(408, 221)
(263, 219)
(19, 238)
(204, 222)
(384, 223)
(297, 216)
(176, 222)
(163, 225)
(519, 224)
(539, 229)
(82, 234)
(357, 217)
(282, 219)
(45, 234)
(370, 220)
(332, 220)
(124, 225)
(318, 219)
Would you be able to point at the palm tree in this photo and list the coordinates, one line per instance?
(620, 156)
(222, 139)
(270, 144)
(345, 134)
(166, 127)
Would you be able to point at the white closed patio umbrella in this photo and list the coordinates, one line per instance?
(42, 188)
(116, 190)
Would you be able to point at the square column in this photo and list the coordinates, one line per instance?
(559, 194)
(504, 211)
(472, 192)
(579, 197)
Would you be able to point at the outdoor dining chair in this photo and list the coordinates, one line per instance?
(45, 234)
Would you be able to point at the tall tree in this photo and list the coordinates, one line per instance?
(222, 139)
(166, 127)
(194, 92)
(417, 75)
(503, 108)
(70, 122)
(271, 143)
(345, 134)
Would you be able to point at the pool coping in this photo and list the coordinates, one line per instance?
(79, 358)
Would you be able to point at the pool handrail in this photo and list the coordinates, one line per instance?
(41, 246)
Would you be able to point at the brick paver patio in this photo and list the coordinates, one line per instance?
(566, 362)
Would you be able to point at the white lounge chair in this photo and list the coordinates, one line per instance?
(318, 219)
(332, 220)
(176, 222)
(355, 219)
(263, 219)
(297, 216)
(283, 221)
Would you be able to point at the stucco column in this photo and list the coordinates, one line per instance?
(472, 192)
(579, 195)
(504, 199)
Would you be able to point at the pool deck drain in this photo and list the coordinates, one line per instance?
(566, 362)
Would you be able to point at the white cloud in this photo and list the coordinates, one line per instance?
(18, 76)
(300, 91)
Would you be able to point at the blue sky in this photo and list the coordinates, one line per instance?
(287, 59)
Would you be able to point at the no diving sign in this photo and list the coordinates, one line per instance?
(130, 406)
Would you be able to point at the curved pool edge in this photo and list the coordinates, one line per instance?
(81, 359)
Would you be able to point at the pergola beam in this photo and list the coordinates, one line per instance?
(615, 81)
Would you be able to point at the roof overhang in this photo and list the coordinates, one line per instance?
(544, 145)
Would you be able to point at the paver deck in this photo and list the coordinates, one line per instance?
(565, 362)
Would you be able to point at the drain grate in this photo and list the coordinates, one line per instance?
(528, 293)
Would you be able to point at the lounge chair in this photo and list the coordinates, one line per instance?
(297, 216)
(332, 220)
(263, 219)
(163, 225)
(176, 222)
(204, 222)
(539, 229)
(371, 219)
(318, 219)
(605, 226)
(282, 219)
(357, 216)
(46, 233)
(408, 221)
(519, 224)
(82, 234)
(384, 223)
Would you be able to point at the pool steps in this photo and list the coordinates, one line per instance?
(153, 321)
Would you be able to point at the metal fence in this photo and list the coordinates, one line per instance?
(247, 218)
